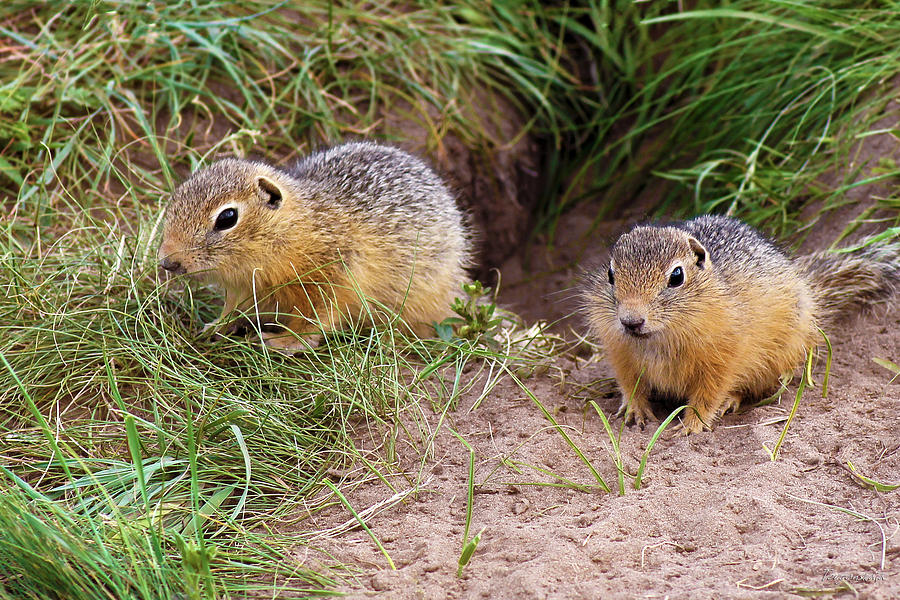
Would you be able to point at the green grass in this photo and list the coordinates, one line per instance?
(752, 107)
(141, 459)
(123, 425)
(121, 420)
(150, 451)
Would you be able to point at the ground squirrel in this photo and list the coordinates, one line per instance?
(321, 244)
(709, 311)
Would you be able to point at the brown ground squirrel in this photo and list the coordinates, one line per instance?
(322, 243)
(710, 311)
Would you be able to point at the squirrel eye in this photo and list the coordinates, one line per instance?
(612, 280)
(677, 277)
(226, 219)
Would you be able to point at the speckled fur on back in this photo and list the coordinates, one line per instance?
(711, 311)
(353, 222)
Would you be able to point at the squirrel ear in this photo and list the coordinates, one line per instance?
(699, 251)
(269, 192)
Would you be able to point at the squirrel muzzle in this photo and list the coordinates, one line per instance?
(169, 261)
(633, 321)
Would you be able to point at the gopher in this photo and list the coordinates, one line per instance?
(334, 240)
(711, 311)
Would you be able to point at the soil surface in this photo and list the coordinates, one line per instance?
(715, 517)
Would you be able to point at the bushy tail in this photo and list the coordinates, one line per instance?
(844, 283)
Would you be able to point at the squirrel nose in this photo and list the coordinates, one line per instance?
(170, 265)
(632, 323)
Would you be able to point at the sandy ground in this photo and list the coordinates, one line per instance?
(715, 517)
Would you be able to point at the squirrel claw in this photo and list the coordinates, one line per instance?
(635, 414)
(679, 431)
(690, 424)
(634, 418)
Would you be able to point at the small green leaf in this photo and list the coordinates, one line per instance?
(876, 485)
(888, 365)
(468, 551)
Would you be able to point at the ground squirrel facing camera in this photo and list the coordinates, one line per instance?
(323, 243)
(710, 311)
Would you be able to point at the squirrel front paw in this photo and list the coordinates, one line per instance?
(287, 343)
(218, 328)
(636, 412)
(692, 423)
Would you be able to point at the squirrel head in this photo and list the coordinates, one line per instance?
(654, 280)
(226, 220)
